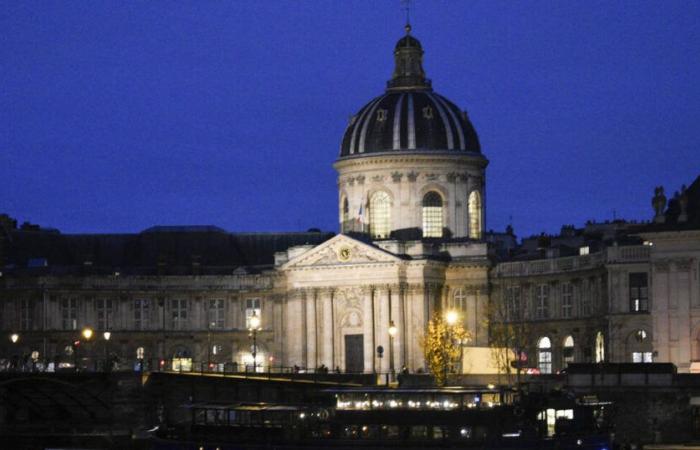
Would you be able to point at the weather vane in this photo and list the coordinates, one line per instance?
(407, 6)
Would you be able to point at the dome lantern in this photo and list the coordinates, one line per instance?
(408, 65)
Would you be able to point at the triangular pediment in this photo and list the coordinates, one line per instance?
(341, 250)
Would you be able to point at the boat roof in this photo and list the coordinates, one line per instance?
(456, 390)
(242, 406)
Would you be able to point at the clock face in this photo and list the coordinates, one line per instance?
(344, 254)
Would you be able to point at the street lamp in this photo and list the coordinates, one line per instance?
(451, 317)
(87, 334)
(392, 332)
(14, 337)
(107, 335)
(210, 325)
(254, 326)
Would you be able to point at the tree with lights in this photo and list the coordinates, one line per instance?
(442, 345)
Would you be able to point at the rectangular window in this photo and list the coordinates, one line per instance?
(25, 314)
(542, 302)
(252, 307)
(585, 294)
(585, 250)
(179, 314)
(103, 309)
(513, 302)
(567, 300)
(141, 314)
(69, 313)
(639, 292)
(216, 314)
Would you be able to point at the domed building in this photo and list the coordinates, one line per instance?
(411, 213)
(410, 162)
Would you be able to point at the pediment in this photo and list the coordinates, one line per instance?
(341, 250)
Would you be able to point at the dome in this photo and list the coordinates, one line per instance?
(408, 41)
(409, 116)
(409, 120)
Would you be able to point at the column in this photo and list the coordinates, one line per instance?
(382, 326)
(327, 328)
(311, 329)
(293, 338)
(368, 328)
(395, 302)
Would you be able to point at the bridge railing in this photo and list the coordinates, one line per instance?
(187, 365)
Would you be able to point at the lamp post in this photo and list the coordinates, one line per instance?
(108, 365)
(451, 318)
(392, 332)
(210, 325)
(87, 334)
(14, 337)
(254, 326)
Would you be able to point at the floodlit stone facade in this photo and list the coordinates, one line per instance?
(411, 191)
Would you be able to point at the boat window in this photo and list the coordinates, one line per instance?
(419, 431)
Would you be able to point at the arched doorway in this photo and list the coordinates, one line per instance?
(568, 351)
(544, 353)
(639, 347)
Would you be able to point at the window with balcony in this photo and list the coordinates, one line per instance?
(141, 313)
(69, 313)
(542, 301)
(567, 300)
(513, 303)
(178, 308)
(252, 308)
(639, 292)
(216, 314)
(103, 311)
(26, 312)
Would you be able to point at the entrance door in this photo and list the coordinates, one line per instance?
(354, 353)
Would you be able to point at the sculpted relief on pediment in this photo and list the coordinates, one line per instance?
(343, 251)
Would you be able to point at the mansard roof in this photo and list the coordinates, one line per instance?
(157, 250)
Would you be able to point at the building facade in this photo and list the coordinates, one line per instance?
(411, 202)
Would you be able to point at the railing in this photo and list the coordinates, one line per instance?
(546, 266)
(186, 366)
(632, 253)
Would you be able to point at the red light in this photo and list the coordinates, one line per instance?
(76, 343)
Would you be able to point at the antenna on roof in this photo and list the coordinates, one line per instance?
(407, 6)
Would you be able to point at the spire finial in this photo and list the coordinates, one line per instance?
(407, 7)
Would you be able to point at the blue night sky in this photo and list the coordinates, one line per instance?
(116, 116)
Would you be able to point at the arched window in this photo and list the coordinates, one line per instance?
(599, 347)
(344, 215)
(544, 348)
(568, 353)
(459, 300)
(475, 224)
(432, 215)
(380, 215)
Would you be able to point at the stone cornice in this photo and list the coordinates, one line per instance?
(404, 157)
